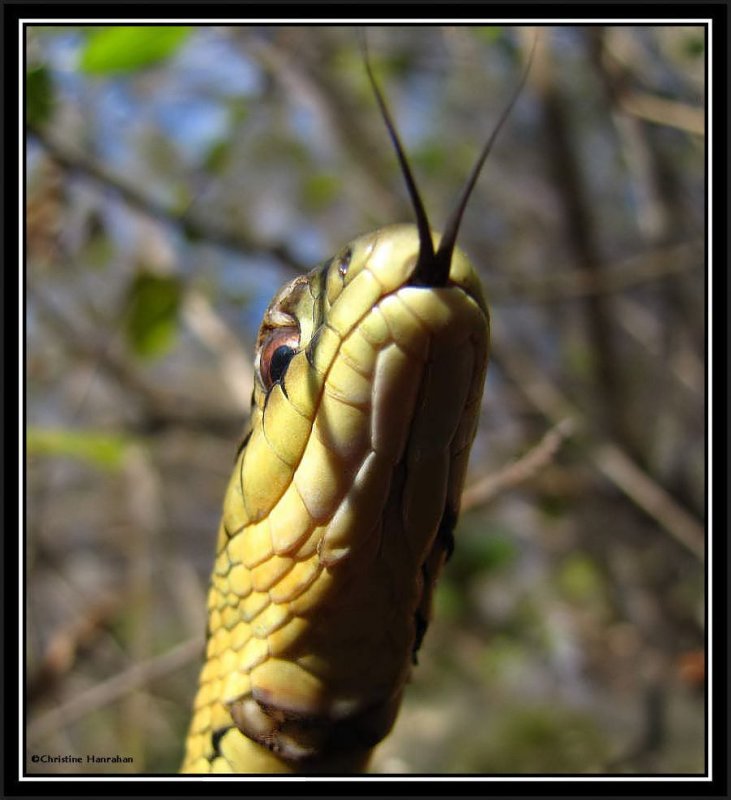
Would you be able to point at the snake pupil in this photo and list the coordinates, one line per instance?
(279, 363)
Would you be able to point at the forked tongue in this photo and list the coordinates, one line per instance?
(432, 268)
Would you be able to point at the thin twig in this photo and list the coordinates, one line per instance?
(661, 111)
(298, 69)
(638, 322)
(660, 263)
(194, 227)
(608, 458)
(64, 647)
(233, 361)
(538, 457)
(616, 465)
(115, 688)
(584, 243)
(162, 409)
(618, 73)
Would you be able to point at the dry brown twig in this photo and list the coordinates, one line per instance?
(671, 113)
(658, 264)
(537, 458)
(116, 687)
(233, 360)
(68, 643)
(608, 458)
(196, 228)
(620, 71)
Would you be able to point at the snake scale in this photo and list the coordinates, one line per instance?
(340, 511)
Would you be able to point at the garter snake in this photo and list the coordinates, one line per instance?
(339, 514)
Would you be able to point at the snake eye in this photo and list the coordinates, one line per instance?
(276, 353)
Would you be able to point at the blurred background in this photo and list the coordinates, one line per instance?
(177, 176)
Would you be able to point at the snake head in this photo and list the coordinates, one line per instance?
(339, 514)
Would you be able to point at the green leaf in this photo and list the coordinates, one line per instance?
(482, 550)
(38, 96)
(497, 37)
(218, 156)
(695, 45)
(491, 34)
(126, 48)
(430, 157)
(503, 656)
(101, 449)
(449, 601)
(319, 190)
(151, 320)
(238, 109)
(579, 579)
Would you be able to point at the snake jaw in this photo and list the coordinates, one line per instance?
(308, 740)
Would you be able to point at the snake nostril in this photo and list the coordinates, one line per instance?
(344, 262)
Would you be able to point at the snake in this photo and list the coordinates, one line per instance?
(340, 511)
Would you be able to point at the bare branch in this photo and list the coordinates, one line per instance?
(298, 69)
(581, 234)
(233, 360)
(483, 491)
(162, 408)
(648, 495)
(658, 264)
(115, 688)
(67, 643)
(656, 109)
(193, 226)
(607, 457)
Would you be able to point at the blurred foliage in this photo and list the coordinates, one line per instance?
(177, 176)
(99, 449)
(535, 740)
(38, 96)
(152, 313)
(129, 48)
